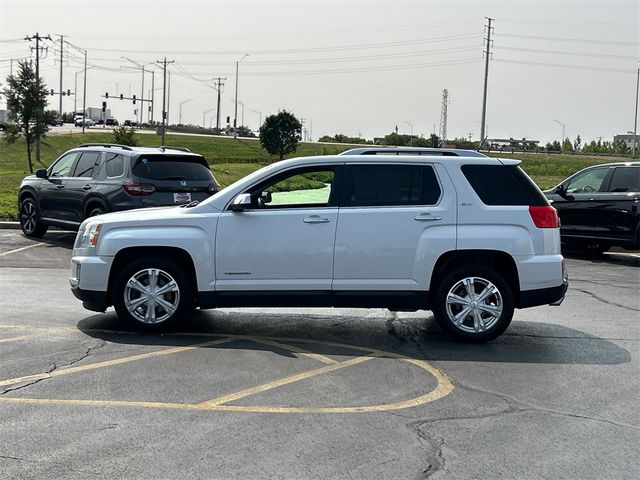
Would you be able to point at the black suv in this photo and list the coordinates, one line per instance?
(599, 207)
(99, 178)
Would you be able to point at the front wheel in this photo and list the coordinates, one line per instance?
(30, 221)
(473, 304)
(153, 294)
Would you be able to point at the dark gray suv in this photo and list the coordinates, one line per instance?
(99, 178)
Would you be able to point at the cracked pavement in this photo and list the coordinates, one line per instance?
(555, 397)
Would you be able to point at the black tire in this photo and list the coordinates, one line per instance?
(595, 248)
(494, 312)
(94, 210)
(30, 221)
(158, 318)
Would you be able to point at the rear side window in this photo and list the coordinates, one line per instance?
(625, 179)
(172, 167)
(86, 162)
(503, 185)
(390, 185)
(114, 164)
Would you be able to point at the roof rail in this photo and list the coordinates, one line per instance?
(169, 147)
(108, 145)
(446, 152)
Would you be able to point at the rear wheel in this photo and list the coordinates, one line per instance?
(92, 211)
(473, 304)
(30, 221)
(153, 294)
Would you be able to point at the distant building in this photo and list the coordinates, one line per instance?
(627, 138)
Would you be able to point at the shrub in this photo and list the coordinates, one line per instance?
(125, 136)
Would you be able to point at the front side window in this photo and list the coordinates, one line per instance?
(63, 166)
(587, 182)
(391, 185)
(298, 189)
(85, 164)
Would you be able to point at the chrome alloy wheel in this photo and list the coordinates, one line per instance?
(28, 217)
(474, 305)
(151, 296)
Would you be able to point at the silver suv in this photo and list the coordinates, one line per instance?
(470, 238)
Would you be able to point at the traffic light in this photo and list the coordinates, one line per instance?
(106, 95)
(121, 96)
(134, 99)
(52, 92)
(68, 92)
(228, 119)
(104, 106)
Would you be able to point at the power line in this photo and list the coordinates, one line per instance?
(571, 40)
(572, 67)
(575, 54)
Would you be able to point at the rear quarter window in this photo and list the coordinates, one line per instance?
(625, 179)
(503, 185)
(171, 167)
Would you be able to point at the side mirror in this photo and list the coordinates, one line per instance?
(266, 197)
(241, 202)
(562, 191)
(41, 173)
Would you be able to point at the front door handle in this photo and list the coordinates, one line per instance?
(427, 217)
(59, 187)
(87, 187)
(316, 219)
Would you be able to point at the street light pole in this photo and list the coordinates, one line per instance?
(410, 138)
(204, 125)
(141, 67)
(562, 139)
(180, 110)
(235, 113)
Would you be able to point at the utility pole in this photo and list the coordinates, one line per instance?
(635, 118)
(235, 113)
(219, 86)
(487, 54)
(61, 50)
(164, 96)
(153, 90)
(39, 114)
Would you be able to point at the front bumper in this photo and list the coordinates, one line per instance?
(89, 280)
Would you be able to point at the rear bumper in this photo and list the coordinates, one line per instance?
(544, 296)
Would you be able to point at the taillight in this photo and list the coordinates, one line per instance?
(139, 188)
(544, 216)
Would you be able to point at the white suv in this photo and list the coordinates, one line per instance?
(470, 238)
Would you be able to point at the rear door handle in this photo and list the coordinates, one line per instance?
(427, 217)
(59, 187)
(87, 187)
(316, 219)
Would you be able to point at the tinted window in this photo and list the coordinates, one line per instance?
(625, 179)
(389, 185)
(172, 167)
(587, 182)
(85, 164)
(503, 185)
(114, 164)
(62, 167)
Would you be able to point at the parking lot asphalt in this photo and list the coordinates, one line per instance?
(318, 393)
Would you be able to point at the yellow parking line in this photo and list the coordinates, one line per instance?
(110, 363)
(21, 249)
(22, 337)
(283, 381)
(293, 348)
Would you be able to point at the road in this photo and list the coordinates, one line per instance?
(319, 393)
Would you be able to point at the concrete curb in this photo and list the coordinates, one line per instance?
(10, 225)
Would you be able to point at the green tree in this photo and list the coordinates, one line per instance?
(125, 136)
(567, 146)
(26, 101)
(280, 134)
(577, 143)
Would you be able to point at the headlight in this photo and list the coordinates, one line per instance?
(88, 235)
